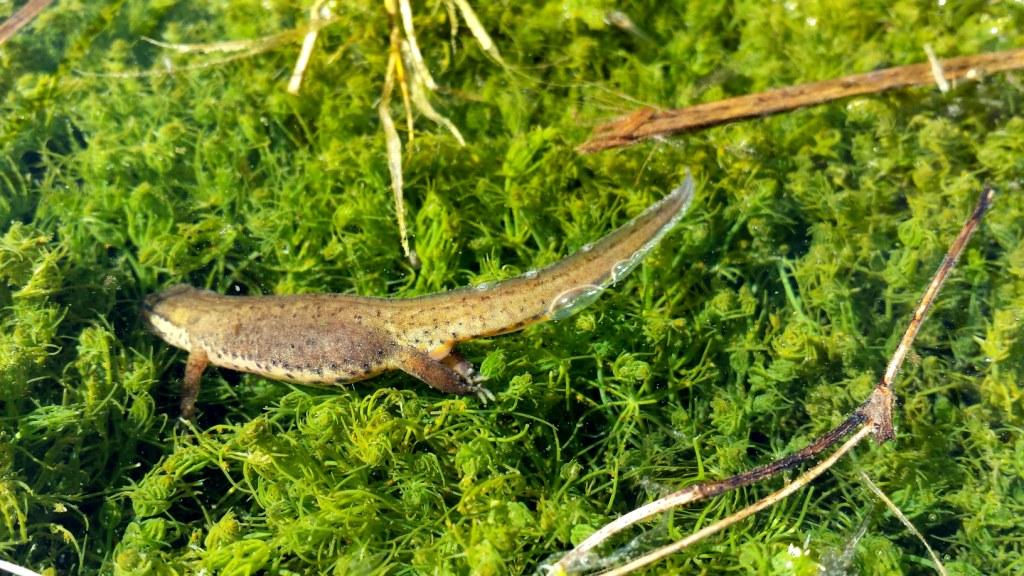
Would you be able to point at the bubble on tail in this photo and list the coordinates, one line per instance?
(622, 268)
(572, 301)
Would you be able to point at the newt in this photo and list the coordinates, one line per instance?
(334, 338)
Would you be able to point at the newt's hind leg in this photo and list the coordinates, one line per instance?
(194, 366)
(454, 376)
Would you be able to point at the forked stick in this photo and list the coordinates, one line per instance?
(873, 417)
(769, 500)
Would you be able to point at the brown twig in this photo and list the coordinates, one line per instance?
(883, 427)
(648, 123)
(873, 417)
(19, 19)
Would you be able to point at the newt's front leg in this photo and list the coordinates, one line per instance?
(197, 362)
(453, 374)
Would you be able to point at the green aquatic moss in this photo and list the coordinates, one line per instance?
(764, 318)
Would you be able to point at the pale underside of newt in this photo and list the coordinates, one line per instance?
(332, 338)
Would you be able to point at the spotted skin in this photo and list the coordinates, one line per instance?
(333, 338)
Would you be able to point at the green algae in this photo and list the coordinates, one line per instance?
(765, 316)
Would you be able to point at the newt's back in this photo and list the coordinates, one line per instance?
(302, 338)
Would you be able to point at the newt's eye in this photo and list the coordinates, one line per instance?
(572, 301)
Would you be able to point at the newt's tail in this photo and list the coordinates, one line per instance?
(554, 292)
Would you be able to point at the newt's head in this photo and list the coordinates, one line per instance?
(168, 313)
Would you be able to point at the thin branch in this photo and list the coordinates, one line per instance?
(308, 42)
(415, 56)
(478, 31)
(648, 123)
(21, 18)
(169, 69)
(229, 46)
(906, 521)
(396, 73)
(936, 65)
(16, 569)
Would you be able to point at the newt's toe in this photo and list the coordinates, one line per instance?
(484, 395)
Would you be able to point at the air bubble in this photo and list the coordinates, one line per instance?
(484, 286)
(572, 301)
(530, 274)
(622, 268)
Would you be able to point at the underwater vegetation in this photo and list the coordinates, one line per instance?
(758, 323)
